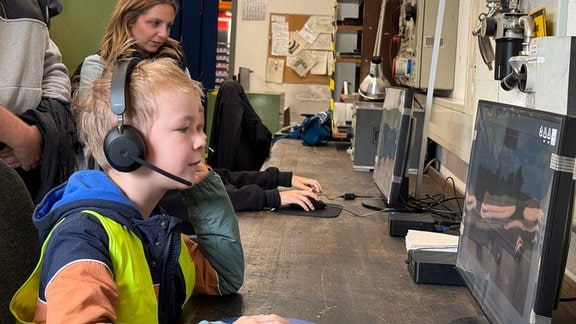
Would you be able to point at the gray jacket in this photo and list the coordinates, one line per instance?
(34, 84)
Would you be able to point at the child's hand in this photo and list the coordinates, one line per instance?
(299, 197)
(201, 172)
(306, 184)
(271, 318)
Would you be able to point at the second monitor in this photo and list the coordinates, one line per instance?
(391, 161)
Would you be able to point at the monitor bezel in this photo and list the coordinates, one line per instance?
(393, 187)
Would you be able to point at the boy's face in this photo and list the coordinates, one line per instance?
(176, 141)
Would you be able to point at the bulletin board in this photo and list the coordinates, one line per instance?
(295, 23)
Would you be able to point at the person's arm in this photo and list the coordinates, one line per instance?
(23, 142)
(91, 69)
(77, 283)
(26, 141)
(56, 82)
(211, 214)
(271, 178)
(252, 197)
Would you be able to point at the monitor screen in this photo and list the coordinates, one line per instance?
(391, 158)
(514, 234)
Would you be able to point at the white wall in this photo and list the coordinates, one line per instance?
(252, 52)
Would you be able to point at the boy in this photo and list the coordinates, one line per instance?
(109, 254)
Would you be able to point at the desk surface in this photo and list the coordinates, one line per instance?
(346, 269)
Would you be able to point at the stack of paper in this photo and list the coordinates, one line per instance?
(416, 240)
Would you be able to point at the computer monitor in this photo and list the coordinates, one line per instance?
(391, 160)
(515, 230)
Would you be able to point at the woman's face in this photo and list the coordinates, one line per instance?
(152, 28)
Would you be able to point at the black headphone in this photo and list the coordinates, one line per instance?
(123, 145)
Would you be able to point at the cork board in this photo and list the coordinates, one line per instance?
(295, 23)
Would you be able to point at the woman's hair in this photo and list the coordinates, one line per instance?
(148, 79)
(118, 32)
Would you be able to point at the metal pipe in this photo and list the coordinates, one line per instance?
(526, 23)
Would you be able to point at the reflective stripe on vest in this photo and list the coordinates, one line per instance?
(137, 299)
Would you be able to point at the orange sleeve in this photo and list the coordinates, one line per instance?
(206, 275)
(83, 292)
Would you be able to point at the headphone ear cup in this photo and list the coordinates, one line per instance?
(121, 146)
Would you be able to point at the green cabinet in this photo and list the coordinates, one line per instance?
(268, 105)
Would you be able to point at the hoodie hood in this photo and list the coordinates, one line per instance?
(88, 189)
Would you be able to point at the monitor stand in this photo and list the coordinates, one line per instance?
(381, 205)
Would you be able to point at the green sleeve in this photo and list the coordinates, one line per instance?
(214, 220)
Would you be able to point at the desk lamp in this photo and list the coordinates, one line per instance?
(373, 87)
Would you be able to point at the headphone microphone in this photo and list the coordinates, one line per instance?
(162, 172)
(124, 146)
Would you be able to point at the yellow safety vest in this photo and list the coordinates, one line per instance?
(137, 299)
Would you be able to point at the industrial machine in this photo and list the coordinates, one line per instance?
(411, 66)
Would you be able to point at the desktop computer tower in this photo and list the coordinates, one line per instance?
(433, 267)
(366, 132)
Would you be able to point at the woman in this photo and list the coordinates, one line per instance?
(145, 23)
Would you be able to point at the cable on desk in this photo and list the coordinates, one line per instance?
(349, 196)
(435, 204)
(367, 214)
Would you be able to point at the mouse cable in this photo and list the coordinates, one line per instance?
(352, 196)
(367, 214)
(349, 196)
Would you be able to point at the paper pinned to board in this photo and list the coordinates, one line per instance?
(424, 240)
(280, 36)
(275, 70)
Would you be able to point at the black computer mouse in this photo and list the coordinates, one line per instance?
(318, 204)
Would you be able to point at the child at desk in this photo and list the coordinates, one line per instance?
(109, 255)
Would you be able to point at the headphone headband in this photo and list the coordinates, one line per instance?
(120, 84)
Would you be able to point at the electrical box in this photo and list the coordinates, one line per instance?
(550, 75)
(417, 21)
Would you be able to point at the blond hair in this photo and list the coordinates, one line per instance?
(118, 32)
(148, 78)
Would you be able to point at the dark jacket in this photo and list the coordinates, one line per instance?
(239, 139)
(61, 146)
(255, 190)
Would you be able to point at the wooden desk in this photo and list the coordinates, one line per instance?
(346, 269)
